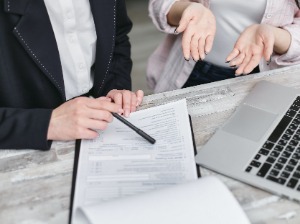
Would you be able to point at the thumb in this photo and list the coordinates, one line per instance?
(183, 23)
(139, 95)
(105, 98)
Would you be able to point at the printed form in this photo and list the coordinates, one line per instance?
(121, 163)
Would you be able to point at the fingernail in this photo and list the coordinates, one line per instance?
(127, 113)
(138, 102)
(227, 61)
(205, 52)
(186, 59)
(175, 31)
(121, 111)
(268, 62)
(233, 66)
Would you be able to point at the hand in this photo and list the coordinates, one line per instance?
(255, 42)
(80, 117)
(127, 100)
(198, 25)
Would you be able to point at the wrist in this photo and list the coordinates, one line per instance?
(51, 133)
(283, 40)
(175, 13)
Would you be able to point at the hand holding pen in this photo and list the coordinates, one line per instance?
(80, 117)
(129, 102)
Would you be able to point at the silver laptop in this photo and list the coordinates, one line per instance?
(260, 143)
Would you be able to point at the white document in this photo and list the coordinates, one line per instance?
(120, 163)
(203, 201)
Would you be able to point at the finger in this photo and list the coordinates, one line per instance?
(235, 52)
(201, 48)
(242, 66)
(195, 48)
(186, 44)
(86, 133)
(92, 124)
(133, 102)
(101, 115)
(126, 102)
(80, 103)
(95, 109)
(117, 97)
(99, 104)
(208, 43)
(252, 64)
(268, 49)
(111, 93)
(79, 132)
(237, 60)
(183, 23)
(104, 98)
(139, 96)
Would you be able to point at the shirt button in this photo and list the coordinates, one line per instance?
(269, 16)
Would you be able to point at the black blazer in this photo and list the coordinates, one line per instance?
(31, 80)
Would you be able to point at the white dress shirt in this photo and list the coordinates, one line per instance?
(73, 25)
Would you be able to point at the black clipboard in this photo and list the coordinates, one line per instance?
(195, 148)
(76, 160)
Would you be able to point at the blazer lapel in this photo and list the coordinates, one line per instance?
(34, 32)
(104, 13)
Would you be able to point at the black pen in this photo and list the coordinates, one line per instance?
(137, 130)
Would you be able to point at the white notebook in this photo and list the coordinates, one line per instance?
(206, 200)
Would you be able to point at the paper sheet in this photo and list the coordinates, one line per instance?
(121, 163)
(206, 200)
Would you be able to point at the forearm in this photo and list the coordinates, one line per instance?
(282, 40)
(176, 12)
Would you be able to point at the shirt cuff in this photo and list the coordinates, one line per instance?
(158, 13)
(292, 56)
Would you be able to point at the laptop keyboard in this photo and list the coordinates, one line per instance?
(278, 160)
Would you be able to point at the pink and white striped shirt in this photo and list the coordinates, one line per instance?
(167, 70)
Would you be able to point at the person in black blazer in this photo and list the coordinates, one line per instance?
(33, 105)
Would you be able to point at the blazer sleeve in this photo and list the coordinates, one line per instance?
(24, 128)
(120, 69)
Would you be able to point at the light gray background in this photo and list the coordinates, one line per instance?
(144, 39)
